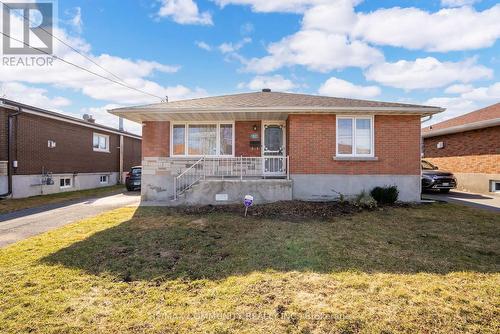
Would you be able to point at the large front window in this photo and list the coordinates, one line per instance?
(355, 136)
(203, 139)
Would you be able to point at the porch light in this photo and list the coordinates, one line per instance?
(255, 127)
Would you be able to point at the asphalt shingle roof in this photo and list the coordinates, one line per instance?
(273, 99)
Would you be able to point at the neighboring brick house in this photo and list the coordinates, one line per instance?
(468, 146)
(277, 146)
(44, 152)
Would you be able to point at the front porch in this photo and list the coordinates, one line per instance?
(216, 180)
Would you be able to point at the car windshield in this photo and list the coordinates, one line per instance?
(136, 171)
(427, 165)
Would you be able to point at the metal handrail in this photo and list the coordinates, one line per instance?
(231, 167)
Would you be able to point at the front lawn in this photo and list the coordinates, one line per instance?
(9, 205)
(432, 269)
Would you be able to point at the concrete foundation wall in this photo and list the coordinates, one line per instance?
(234, 191)
(29, 185)
(321, 186)
(475, 182)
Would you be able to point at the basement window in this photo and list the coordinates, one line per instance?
(495, 186)
(65, 182)
(103, 179)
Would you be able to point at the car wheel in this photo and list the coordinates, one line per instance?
(444, 191)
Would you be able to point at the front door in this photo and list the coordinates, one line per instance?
(273, 150)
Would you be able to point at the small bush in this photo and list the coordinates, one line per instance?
(365, 200)
(385, 195)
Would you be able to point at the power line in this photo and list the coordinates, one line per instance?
(72, 48)
(82, 68)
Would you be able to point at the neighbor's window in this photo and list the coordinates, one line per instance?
(103, 179)
(65, 182)
(202, 139)
(355, 136)
(101, 142)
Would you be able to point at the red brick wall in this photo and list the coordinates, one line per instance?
(3, 133)
(156, 139)
(243, 130)
(476, 151)
(311, 146)
(73, 152)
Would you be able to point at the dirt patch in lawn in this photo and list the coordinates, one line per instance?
(287, 210)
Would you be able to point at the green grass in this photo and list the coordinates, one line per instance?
(431, 269)
(10, 205)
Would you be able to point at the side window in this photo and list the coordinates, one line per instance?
(100, 142)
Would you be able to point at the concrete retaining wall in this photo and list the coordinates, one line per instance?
(234, 191)
(322, 186)
(29, 185)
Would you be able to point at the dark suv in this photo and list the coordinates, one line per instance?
(434, 179)
(133, 179)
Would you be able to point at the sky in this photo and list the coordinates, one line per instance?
(434, 52)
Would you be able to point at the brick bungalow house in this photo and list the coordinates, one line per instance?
(44, 152)
(277, 146)
(468, 146)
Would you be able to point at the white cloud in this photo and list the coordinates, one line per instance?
(487, 94)
(230, 47)
(268, 6)
(458, 3)
(275, 82)
(316, 50)
(135, 73)
(203, 45)
(427, 73)
(34, 96)
(76, 21)
(455, 106)
(449, 29)
(184, 12)
(247, 28)
(101, 115)
(458, 89)
(466, 102)
(341, 88)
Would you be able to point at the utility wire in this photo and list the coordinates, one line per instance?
(82, 68)
(69, 46)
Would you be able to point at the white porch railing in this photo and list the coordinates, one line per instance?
(231, 168)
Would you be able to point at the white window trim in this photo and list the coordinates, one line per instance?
(70, 182)
(217, 148)
(372, 141)
(97, 149)
(107, 179)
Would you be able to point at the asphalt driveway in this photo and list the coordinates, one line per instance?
(23, 224)
(480, 201)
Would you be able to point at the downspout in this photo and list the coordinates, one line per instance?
(9, 155)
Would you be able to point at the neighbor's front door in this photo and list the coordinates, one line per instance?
(273, 149)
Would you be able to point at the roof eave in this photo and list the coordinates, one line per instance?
(127, 112)
(462, 128)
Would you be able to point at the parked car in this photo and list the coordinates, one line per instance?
(435, 179)
(133, 179)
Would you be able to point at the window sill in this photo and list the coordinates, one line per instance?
(355, 158)
(102, 151)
